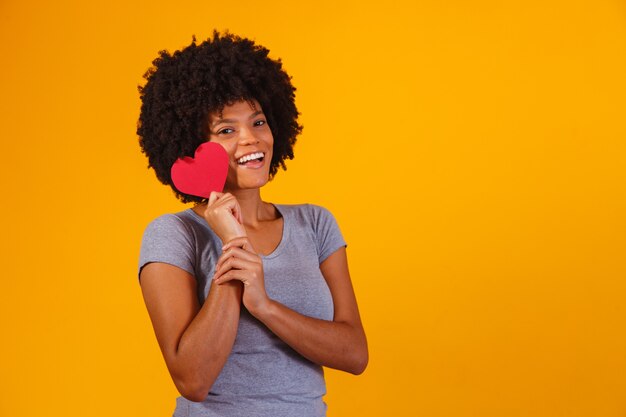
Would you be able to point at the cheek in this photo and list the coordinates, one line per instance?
(269, 139)
(230, 149)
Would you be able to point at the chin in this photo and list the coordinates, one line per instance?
(256, 183)
(260, 184)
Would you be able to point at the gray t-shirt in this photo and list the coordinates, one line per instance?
(263, 376)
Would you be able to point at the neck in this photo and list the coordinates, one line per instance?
(253, 209)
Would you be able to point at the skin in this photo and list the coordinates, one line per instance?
(196, 340)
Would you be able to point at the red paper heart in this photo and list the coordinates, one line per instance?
(202, 174)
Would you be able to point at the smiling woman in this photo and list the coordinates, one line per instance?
(248, 299)
(242, 130)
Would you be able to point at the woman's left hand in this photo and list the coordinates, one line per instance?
(239, 261)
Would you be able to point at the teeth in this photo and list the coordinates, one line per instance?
(247, 158)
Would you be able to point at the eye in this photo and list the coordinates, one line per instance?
(225, 131)
(260, 122)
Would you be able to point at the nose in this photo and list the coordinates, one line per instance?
(247, 137)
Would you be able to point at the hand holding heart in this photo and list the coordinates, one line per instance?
(204, 175)
(239, 261)
(223, 215)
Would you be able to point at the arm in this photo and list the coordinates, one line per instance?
(339, 344)
(195, 341)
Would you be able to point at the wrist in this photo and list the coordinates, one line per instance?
(228, 289)
(265, 311)
(229, 237)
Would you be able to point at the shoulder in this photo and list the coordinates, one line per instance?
(169, 223)
(311, 217)
(310, 212)
(176, 228)
(170, 238)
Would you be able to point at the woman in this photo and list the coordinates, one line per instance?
(248, 299)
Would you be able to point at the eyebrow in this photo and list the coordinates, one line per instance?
(220, 121)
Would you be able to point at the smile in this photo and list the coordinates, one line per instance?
(256, 157)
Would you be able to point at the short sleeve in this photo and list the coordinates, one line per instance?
(167, 239)
(328, 235)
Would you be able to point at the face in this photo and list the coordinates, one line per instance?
(242, 130)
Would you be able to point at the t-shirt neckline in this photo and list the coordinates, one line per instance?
(279, 248)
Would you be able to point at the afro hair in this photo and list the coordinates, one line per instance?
(183, 88)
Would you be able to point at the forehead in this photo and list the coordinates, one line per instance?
(238, 109)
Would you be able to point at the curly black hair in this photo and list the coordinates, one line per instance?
(184, 87)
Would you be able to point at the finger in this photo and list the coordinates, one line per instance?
(240, 253)
(220, 198)
(230, 203)
(233, 205)
(225, 203)
(222, 268)
(213, 197)
(242, 242)
(233, 274)
(235, 264)
(239, 214)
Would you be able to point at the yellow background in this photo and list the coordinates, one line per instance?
(473, 153)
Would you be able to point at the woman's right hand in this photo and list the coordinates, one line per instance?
(223, 215)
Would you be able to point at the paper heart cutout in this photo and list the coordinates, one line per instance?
(202, 174)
